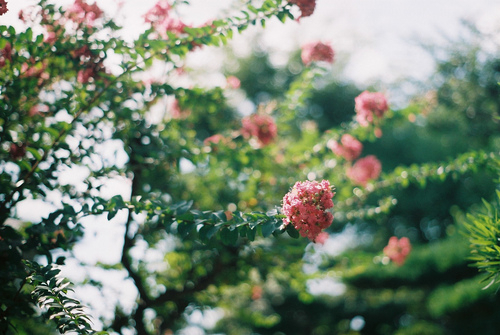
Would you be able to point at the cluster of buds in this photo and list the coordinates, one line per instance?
(305, 207)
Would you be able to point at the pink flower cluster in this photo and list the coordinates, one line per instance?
(364, 170)
(3, 7)
(398, 250)
(161, 19)
(305, 207)
(261, 127)
(83, 13)
(370, 105)
(306, 6)
(317, 52)
(349, 147)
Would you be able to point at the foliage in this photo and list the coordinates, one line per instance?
(483, 231)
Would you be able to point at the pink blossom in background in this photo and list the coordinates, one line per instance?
(83, 53)
(3, 7)
(233, 82)
(176, 112)
(33, 70)
(38, 110)
(370, 105)
(398, 250)
(161, 19)
(50, 37)
(214, 139)
(171, 24)
(349, 148)
(317, 52)
(306, 6)
(17, 151)
(261, 127)
(158, 13)
(364, 170)
(257, 292)
(81, 12)
(305, 208)
(85, 75)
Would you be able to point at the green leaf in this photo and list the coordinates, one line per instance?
(251, 233)
(228, 236)
(290, 229)
(268, 228)
(184, 228)
(208, 231)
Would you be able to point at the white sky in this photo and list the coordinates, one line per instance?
(377, 37)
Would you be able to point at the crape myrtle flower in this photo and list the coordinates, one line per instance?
(81, 12)
(398, 250)
(305, 208)
(306, 6)
(349, 147)
(370, 105)
(161, 19)
(364, 170)
(3, 7)
(261, 127)
(317, 52)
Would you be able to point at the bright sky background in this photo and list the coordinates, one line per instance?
(377, 39)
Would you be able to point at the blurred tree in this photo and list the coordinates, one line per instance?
(205, 184)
